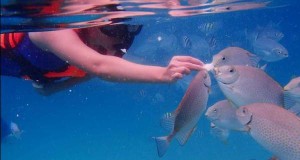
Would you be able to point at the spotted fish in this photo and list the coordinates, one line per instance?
(235, 56)
(275, 128)
(182, 122)
(244, 85)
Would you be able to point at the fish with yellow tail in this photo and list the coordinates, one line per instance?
(182, 122)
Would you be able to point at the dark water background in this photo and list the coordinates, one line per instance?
(101, 120)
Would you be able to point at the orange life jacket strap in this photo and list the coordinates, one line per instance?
(71, 71)
(11, 40)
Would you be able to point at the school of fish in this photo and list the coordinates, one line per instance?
(255, 102)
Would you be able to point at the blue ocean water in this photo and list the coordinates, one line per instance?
(101, 120)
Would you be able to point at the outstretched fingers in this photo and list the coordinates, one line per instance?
(180, 66)
(187, 61)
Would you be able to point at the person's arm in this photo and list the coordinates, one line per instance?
(69, 47)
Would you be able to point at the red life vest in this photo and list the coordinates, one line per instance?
(9, 41)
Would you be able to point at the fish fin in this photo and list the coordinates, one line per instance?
(221, 134)
(167, 121)
(295, 109)
(162, 144)
(184, 135)
(288, 101)
(263, 67)
(254, 59)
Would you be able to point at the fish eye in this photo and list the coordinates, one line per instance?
(279, 51)
(223, 58)
(215, 110)
(244, 111)
(231, 70)
(228, 8)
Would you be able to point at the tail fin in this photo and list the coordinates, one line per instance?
(162, 144)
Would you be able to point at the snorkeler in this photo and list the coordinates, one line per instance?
(56, 60)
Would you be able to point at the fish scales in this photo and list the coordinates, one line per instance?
(275, 128)
(185, 118)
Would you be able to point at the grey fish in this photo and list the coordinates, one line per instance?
(237, 6)
(211, 41)
(15, 130)
(222, 114)
(223, 119)
(235, 56)
(220, 133)
(183, 120)
(269, 31)
(292, 95)
(243, 85)
(275, 128)
(269, 50)
(186, 42)
(210, 27)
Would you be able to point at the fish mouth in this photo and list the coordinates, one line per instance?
(248, 129)
(224, 82)
(213, 120)
(216, 71)
(248, 125)
(286, 88)
(220, 81)
(217, 75)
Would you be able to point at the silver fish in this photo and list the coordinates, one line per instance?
(269, 50)
(292, 95)
(186, 42)
(238, 6)
(183, 120)
(222, 114)
(220, 133)
(15, 130)
(210, 27)
(211, 41)
(243, 85)
(275, 128)
(235, 56)
(197, 2)
(269, 31)
(199, 44)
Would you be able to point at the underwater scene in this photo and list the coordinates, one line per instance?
(150, 79)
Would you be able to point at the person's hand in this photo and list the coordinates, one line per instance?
(180, 66)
